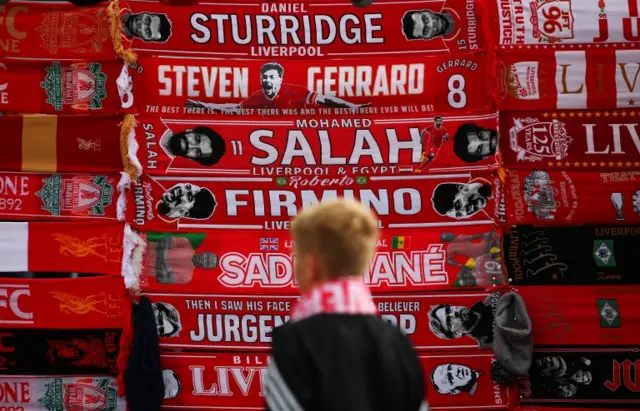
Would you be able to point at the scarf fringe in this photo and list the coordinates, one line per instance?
(129, 147)
(117, 32)
(123, 186)
(133, 248)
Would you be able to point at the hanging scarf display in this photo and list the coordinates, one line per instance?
(69, 197)
(594, 255)
(564, 24)
(240, 146)
(194, 204)
(602, 79)
(225, 380)
(245, 262)
(200, 321)
(587, 315)
(59, 351)
(572, 198)
(572, 139)
(80, 87)
(96, 302)
(410, 84)
(43, 393)
(320, 29)
(583, 377)
(61, 143)
(62, 247)
(56, 31)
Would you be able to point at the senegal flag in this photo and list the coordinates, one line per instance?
(398, 243)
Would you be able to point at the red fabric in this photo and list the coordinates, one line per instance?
(28, 86)
(429, 84)
(68, 197)
(580, 140)
(563, 317)
(56, 31)
(600, 79)
(70, 303)
(83, 143)
(289, 96)
(193, 204)
(572, 197)
(226, 380)
(359, 32)
(248, 262)
(564, 24)
(313, 144)
(245, 322)
(436, 137)
(343, 296)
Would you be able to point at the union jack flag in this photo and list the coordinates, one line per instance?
(269, 244)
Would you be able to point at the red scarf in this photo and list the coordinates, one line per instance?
(342, 296)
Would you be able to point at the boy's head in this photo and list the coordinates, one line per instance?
(333, 239)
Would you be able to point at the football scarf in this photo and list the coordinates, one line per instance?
(56, 31)
(200, 321)
(602, 79)
(226, 380)
(48, 392)
(63, 197)
(413, 84)
(59, 351)
(248, 262)
(62, 143)
(592, 315)
(564, 24)
(582, 377)
(581, 140)
(318, 29)
(253, 146)
(446, 200)
(596, 255)
(62, 247)
(551, 197)
(96, 302)
(78, 87)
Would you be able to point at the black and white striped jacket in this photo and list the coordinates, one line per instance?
(343, 362)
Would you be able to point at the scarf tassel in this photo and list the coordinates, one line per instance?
(117, 32)
(129, 147)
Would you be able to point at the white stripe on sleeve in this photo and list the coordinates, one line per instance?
(279, 395)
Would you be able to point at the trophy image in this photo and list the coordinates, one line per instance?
(617, 199)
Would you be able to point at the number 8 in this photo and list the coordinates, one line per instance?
(457, 97)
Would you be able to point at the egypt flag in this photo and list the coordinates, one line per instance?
(96, 248)
(61, 143)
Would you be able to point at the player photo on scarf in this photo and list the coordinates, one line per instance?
(450, 322)
(577, 376)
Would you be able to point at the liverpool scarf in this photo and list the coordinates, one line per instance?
(48, 392)
(226, 380)
(29, 351)
(270, 202)
(373, 31)
(57, 31)
(70, 87)
(588, 315)
(62, 247)
(583, 377)
(62, 143)
(601, 79)
(64, 197)
(400, 145)
(247, 262)
(95, 302)
(551, 197)
(595, 255)
(580, 140)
